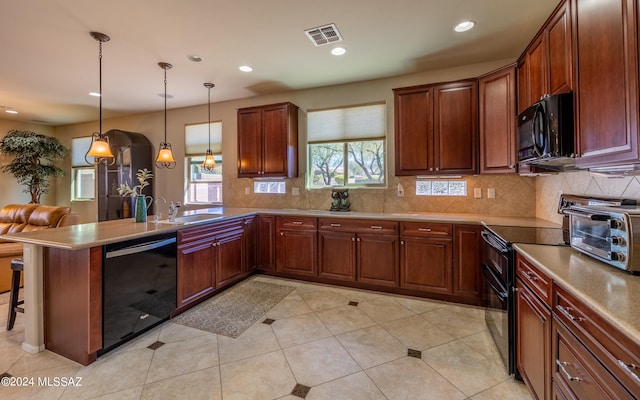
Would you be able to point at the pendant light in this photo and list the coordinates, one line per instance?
(209, 162)
(100, 149)
(165, 154)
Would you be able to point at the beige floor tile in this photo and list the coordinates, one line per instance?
(320, 361)
(172, 332)
(178, 358)
(384, 309)
(456, 321)
(467, 369)
(290, 306)
(322, 299)
(509, 390)
(127, 394)
(41, 389)
(12, 338)
(372, 346)
(266, 376)
(258, 339)
(30, 363)
(357, 386)
(345, 319)
(483, 343)
(9, 356)
(419, 306)
(198, 385)
(410, 378)
(417, 333)
(299, 329)
(359, 295)
(112, 374)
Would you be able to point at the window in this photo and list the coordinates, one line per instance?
(202, 186)
(83, 174)
(347, 147)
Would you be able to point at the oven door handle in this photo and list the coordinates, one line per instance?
(584, 214)
(488, 239)
(502, 294)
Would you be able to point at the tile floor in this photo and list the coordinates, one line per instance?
(325, 342)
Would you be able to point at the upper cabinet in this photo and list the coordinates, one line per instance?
(546, 65)
(606, 70)
(436, 129)
(497, 118)
(268, 141)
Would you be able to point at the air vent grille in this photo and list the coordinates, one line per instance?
(324, 35)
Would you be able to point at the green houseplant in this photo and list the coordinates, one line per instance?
(33, 163)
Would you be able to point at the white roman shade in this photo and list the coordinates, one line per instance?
(79, 147)
(351, 123)
(197, 138)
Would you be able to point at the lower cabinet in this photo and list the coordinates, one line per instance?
(266, 247)
(467, 257)
(296, 245)
(377, 259)
(337, 255)
(250, 238)
(229, 257)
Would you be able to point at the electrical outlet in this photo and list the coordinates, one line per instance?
(246, 190)
(491, 193)
(295, 191)
(477, 193)
(400, 190)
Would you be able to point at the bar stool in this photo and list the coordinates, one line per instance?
(16, 266)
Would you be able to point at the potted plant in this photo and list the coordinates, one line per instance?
(34, 157)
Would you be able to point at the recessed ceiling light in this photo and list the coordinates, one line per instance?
(245, 68)
(464, 26)
(11, 111)
(194, 58)
(94, 94)
(338, 51)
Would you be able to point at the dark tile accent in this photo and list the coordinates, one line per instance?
(268, 321)
(300, 391)
(155, 345)
(5, 375)
(152, 291)
(353, 303)
(414, 353)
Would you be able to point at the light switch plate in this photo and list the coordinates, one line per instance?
(295, 191)
(477, 193)
(491, 193)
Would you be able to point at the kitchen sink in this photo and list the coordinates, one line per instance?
(192, 219)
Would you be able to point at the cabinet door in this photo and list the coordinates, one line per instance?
(560, 57)
(522, 72)
(467, 275)
(498, 121)
(456, 128)
(276, 154)
(413, 131)
(230, 257)
(377, 259)
(195, 271)
(533, 340)
(426, 264)
(249, 143)
(337, 255)
(538, 61)
(297, 252)
(266, 258)
(250, 244)
(607, 81)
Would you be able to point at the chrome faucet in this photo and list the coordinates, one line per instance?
(173, 210)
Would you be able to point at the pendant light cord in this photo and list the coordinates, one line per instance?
(165, 105)
(209, 114)
(100, 84)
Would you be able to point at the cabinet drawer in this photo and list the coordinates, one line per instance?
(534, 279)
(578, 373)
(619, 354)
(359, 225)
(208, 231)
(431, 229)
(307, 223)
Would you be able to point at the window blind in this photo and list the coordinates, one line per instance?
(197, 138)
(79, 147)
(359, 122)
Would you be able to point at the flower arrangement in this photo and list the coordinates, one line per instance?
(143, 176)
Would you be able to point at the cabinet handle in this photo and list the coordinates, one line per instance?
(531, 276)
(567, 312)
(514, 289)
(353, 239)
(424, 229)
(629, 368)
(281, 233)
(437, 169)
(297, 222)
(402, 242)
(562, 365)
(357, 239)
(431, 169)
(376, 226)
(336, 225)
(512, 166)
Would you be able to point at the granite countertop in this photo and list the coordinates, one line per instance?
(610, 292)
(99, 233)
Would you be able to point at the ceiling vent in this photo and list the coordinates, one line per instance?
(324, 35)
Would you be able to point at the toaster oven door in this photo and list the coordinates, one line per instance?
(600, 235)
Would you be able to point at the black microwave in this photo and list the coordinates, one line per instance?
(545, 133)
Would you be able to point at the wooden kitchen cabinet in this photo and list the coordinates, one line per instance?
(296, 241)
(266, 251)
(377, 261)
(195, 270)
(229, 256)
(426, 257)
(467, 257)
(533, 329)
(250, 238)
(497, 121)
(606, 102)
(268, 141)
(337, 255)
(436, 128)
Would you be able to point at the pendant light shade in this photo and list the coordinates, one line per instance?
(100, 149)
(165, 153)
(209, 162)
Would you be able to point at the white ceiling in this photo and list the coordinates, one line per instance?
(49, 63)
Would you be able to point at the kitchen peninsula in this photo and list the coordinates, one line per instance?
(77, 250)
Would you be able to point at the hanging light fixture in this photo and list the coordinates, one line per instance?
(209, 162)
(100, 149)
(165, 154)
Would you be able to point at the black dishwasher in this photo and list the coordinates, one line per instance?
(138, 287)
